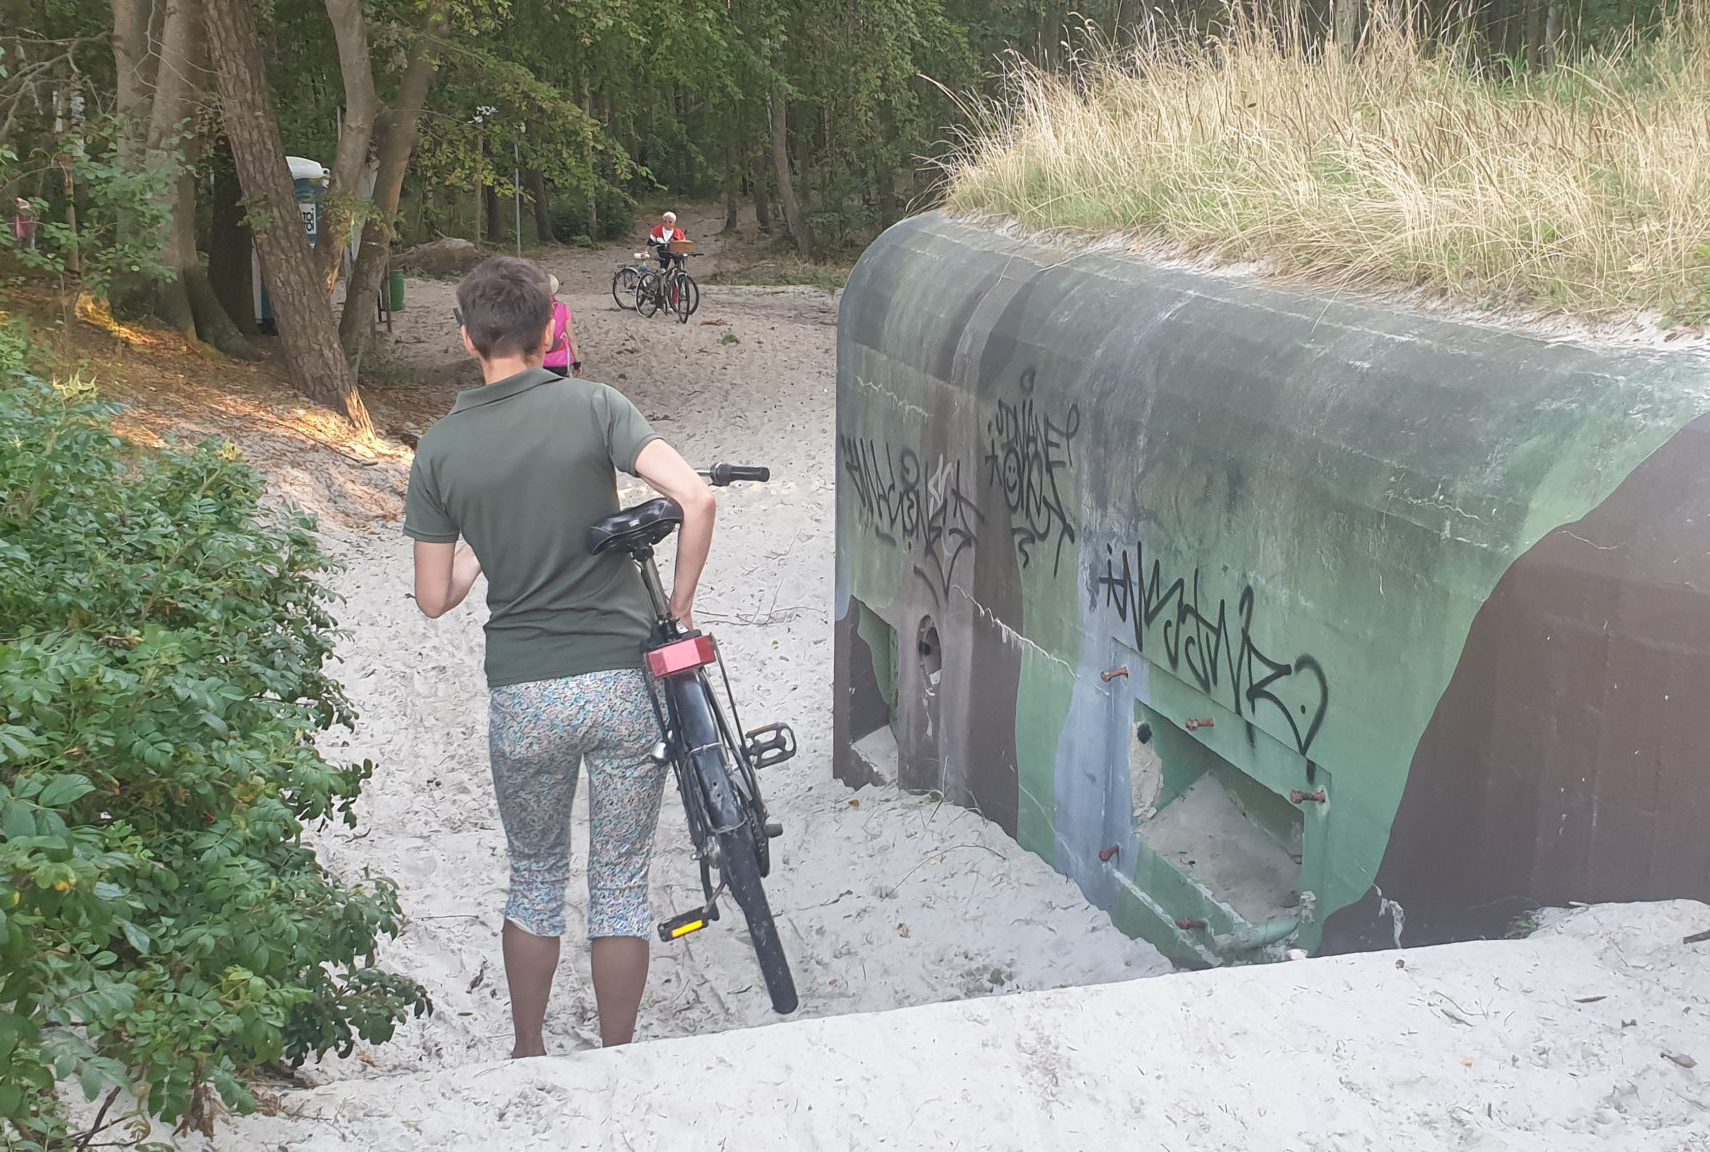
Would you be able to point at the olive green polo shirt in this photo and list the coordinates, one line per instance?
(521, 468)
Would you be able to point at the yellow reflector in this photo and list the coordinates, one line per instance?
(695, 926)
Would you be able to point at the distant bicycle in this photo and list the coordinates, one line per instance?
(672, 290)
(626, 279)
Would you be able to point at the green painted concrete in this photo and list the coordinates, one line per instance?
(1367, 473)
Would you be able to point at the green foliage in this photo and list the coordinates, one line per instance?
(164, 929)
(614, 212)
(121, 213)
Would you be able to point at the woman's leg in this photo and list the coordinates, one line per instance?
(624, 789)
(530, 963)
(535, 759)
(620, 977)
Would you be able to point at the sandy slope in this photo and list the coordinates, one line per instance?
(885, 900)
(888, 901)
(1559, 1043)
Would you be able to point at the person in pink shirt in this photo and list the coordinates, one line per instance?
(562, 357)
(24, 224)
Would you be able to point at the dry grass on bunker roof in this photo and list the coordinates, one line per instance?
(1582, 191)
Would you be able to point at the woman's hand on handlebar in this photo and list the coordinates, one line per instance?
(720, 475)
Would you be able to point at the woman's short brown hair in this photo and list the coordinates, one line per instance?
(505, 306)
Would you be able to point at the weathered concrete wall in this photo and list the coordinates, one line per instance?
(1187, 554)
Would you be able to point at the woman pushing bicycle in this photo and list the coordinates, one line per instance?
(661, 237)
(508, 484)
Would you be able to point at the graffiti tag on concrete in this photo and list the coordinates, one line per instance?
(951, 526)
(889, 496)
(887, 486)
(1026, 452)
(1203, 647)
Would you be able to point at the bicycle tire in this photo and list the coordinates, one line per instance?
(696, 711)
(623, 287)
(741, 867)
(681, 304)
(694, 294)
(649, 294)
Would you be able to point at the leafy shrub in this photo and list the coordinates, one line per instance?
(615, 210)
(121, 216)
(163, 927)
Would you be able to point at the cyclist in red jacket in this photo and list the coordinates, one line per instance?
(661, 236)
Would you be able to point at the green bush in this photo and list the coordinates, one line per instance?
(616, 214)
(164, 929)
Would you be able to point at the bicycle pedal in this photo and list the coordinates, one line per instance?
(773, 829)
(687, 924)
(769, 745)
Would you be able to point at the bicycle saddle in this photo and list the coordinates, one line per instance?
(639, 527)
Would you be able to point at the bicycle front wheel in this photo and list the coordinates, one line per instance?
(684, 297)
(741, 866)
(649, 294)
(623, 287)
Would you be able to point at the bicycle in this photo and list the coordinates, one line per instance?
(672, 289)
(716, 772)
(625, 280)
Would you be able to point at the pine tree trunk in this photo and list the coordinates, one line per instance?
(165, 85)
(763, 194)
(1345, 16)
(209, 321)
(732, 182)
(1534, 33)
(135, 65)
(399, 128)
(887, 182)
(495, 213)
(786, 185)
(490, 206)
(189, 300)
(308, 337)
(542, 202)
(341, 206)
(231, 256)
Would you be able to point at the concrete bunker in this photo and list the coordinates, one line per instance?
(1268, 617)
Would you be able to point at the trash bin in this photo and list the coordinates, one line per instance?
(395, 282)
(309, 180)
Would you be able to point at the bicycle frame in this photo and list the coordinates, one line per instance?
(697, 735)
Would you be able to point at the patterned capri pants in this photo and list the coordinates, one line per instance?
(539, 734)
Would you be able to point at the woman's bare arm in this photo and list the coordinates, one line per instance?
(670, 475)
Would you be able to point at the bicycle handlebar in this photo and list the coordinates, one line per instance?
(720, 475)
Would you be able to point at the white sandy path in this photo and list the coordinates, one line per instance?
(884, 900)
(898, 901)
(1556, 1043)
